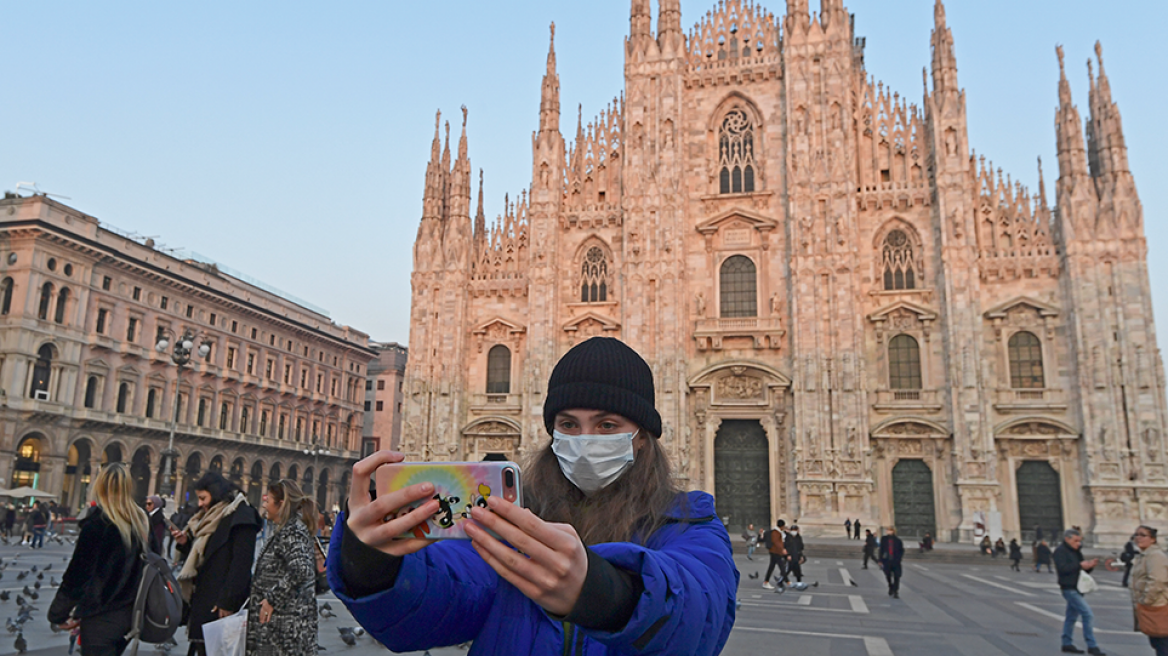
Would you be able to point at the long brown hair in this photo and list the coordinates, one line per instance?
(290, 497)
(633, 506)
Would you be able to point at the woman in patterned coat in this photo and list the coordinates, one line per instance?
(281, 618)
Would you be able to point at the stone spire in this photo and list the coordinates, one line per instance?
(549, 103)
(669, 34)
(1107, 150)
(578, 150)
(456, 234)
(480, 226)
(640, 25)
(1076, 197)
(944, 61)
(433, 197)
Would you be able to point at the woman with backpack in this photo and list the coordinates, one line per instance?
(281, 615)
(219, 546)
(100, 584)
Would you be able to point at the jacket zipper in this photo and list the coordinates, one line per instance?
(569, 633)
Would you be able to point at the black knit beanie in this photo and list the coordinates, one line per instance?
(603, 373)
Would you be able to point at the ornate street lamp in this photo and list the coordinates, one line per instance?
(181, 349)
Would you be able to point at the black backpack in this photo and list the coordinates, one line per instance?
(158, 608)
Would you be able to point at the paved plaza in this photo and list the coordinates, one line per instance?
(981, 609)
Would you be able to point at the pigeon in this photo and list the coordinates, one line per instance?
(21, 644)
(41, 576)
(326, 611)
(34, 595)
(19, 600)
(4, 595)
(10, 625)
(37, 585)
(27, 592)
(34, 568)
(48, 567)
(52, 581)
(21, 576)
(347, 635)
(752, 576)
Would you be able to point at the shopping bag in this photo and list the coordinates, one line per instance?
(1152, 620)
(227, 636)
(1086, 585)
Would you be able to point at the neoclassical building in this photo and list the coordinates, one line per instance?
(847, 311)
(82, 307)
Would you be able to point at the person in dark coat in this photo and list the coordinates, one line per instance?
(869, 547)
(9, 520)
(39, 520)
(100, 584)
(1070, 564)
(1127, 557)
(891, 553)
(848, 528)
(154, 507)
(1015, 555)
(219, 547)
(794, 546)
(1042, 556)
(856, 528)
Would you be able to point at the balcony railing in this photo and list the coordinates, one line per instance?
(1030, 400)
(917, 400)
(495, 402)
(767, 332)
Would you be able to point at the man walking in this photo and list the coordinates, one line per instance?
(1069, 563)
(774, 544)
(848, 528)
(869, 548)
(1127, 557)
(751, 537)
(39, 520)
(891, 553)
(856, 528)
(794, 546)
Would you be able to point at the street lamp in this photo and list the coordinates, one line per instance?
(180, 354)
(316, 451)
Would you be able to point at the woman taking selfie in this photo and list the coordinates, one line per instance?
(608, 557)
(101, 582)
(281, 615)
(219, 546)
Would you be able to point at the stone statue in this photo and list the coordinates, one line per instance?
(701, 304)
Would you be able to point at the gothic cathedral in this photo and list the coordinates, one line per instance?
(848, 313)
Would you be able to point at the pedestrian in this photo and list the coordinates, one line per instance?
(795, 558)
(1037, 534)
(926, 544)
(9, 519)
(999, 548)
(631, 563)
(39, 519)
(985, 547)
(100, 583)
(848, 528)
(219, 546)
(869, 547)
(154, 508)
(180, 518)
(856, 528)
(776, 546)
(751, 537)
(1015, 555)
(891, 553)
(1069, 563)
(1149, 588)
(1042, 556)
(1128, 555)
(281, 616)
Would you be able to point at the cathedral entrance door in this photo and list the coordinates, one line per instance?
(912, 498)
(742, 481)
(1039, 500)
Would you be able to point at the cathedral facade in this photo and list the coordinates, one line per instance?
(848, 313)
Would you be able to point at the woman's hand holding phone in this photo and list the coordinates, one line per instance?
(366, 516)
(548, 562)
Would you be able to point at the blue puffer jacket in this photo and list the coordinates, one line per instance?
(446, 594)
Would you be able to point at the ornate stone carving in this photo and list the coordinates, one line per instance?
(739, 387)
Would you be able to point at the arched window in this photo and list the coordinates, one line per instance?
(151, 398)
(736, 153)
(62, 301)
(898, 262)
(1026, 362)
(223, 408)
(244, 426)
(5, 296)
(904, 363)
(499, 370)
(46, 298)
(738, 287)
(41, 372)
(123, 396)
(91, 392)
(264, 423)
(594, 277)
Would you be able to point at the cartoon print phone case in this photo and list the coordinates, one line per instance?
(458, 487)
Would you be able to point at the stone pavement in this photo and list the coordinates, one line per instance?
(966, 610)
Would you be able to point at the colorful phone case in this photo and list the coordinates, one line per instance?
(458, 487)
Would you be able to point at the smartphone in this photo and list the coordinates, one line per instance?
(458, 487)
(169, 524)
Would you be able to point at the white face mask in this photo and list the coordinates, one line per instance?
(592, 462)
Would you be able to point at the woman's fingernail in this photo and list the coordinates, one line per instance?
(427, 487)
(493, 502)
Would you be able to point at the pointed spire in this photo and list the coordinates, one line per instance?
(944, 61)
(549, 104)
(462, 139)
(669, 35)
(434, 147)
(1076, 195)
(480, 226)
(640, 23)
(1041, 185)
(446, 149)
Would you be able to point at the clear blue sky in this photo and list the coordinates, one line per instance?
(289, 140)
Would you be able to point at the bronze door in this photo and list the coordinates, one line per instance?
(1039, 500)
(912, 499)
(742, 481)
